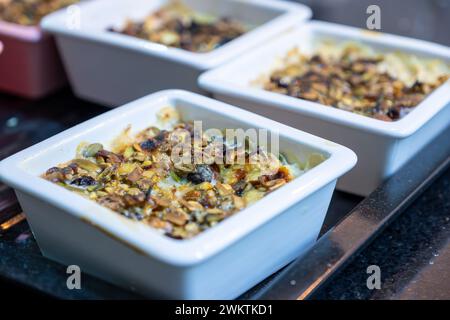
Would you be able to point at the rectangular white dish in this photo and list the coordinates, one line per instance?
(382, 147)
(112, 68)
(220, 263)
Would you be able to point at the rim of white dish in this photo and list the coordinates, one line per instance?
(293, 12)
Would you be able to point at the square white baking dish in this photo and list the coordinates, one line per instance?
(382, 147)
(220, 263)
(112, 68)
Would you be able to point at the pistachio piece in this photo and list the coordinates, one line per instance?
(211, 218)
(160, 201)
(87, 165)
(224, 189)
(157, 223)
(177, 216)
(126, 168)
(275, 184)
(129, 151)
(192, 228)
(215, 211)
(92, 149)
(192, 205)
(135, 175)
(174, 176)
(239, 202)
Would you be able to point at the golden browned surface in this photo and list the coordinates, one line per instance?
(176, 25)
(357, 81)
(141, 181)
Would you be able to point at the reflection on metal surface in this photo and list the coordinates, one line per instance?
(12, 222)
(8, 204)
(314, 285)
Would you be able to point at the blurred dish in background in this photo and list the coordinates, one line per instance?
(177, 25)
(30, 12)
(383, 147)
(29, 64)
(111, 69)
(355, 77)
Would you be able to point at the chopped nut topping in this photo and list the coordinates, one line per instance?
(139, 180)
(30, 12)
(352, 78)
(176, 25)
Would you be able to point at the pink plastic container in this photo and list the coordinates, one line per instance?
(29, 62)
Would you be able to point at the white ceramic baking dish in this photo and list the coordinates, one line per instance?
(220, 263)
(382, 147)
(112, 68)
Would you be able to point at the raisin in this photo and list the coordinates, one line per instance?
(149, 145)
(153, 143)
(84, 181)
(393, 113)
(202, 173)
(239, 187)
(53, 170)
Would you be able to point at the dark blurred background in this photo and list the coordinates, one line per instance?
(423, 19)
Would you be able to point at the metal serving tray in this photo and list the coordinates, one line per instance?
(351, 224)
